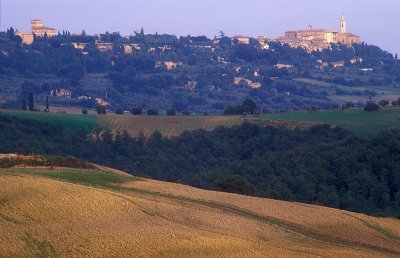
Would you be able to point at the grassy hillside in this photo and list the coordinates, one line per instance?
(358, 121)
(103, 212)
(167, 125)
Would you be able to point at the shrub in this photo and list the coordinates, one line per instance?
(152, 112)
(119, 111)
(335, 106)
(371, 106)
(235, 184)
(171, 112)
(186, 113)
(137, 111)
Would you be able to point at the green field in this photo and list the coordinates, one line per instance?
(68, 121)
(358, 121)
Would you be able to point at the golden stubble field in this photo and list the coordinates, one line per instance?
(46, 217)
(168, 126)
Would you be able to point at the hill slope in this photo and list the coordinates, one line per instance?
(102, 212)
(357, 121)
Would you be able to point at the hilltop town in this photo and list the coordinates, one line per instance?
(310, 39)
(319, 39)
(192, 73)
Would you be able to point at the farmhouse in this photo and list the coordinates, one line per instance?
(105, 47)
(169, 64)
(61, 93)
(241, 81)
(102, 102)
(281, 66)
(241, 39)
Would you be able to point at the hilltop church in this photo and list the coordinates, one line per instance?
(319, 39)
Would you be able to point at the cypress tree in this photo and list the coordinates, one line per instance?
(24, 106)
(31, 101)
(47, 104)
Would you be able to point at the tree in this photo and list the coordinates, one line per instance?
(47, 104)
(101, 110)
(186, 113)
(348, 105)
(383, 102)
(24, 105)
(31, 101)
(396, 102)
(119, 111)
(235, 184)
(137, 111)
(371, 106)
(171, 112)
(152, 112)
(249, 106)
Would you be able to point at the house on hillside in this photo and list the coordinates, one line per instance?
(64, 93)
(241, 39)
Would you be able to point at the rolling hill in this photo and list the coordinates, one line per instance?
(100, 212)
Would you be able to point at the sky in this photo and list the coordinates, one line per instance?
(376, 21)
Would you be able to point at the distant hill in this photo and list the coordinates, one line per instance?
(190, 73)
(64, 212)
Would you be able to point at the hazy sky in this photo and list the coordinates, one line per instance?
(376, 21)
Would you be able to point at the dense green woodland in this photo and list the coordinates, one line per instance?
(135, 80)
(322, 165)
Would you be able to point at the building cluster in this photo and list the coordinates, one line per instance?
(319, 39)
(38, 30)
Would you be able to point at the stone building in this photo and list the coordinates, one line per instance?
(241, 39)
(319, 39)
(38, 30)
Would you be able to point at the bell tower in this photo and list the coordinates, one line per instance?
(343, 25)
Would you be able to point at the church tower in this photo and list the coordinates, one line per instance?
(343, 25)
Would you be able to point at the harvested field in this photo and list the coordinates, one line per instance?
(103, 213)
(168, 126)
